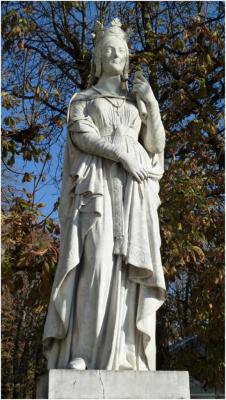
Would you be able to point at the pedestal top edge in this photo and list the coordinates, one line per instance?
(108, 372)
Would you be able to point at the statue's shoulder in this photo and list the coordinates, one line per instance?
(83, 95)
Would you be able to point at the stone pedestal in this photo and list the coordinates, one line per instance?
(94, 384)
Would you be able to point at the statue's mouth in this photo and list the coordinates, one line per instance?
(116, 61)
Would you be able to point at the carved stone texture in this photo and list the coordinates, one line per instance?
(118, 385)
(109, 281)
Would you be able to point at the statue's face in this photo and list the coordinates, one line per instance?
(113, 57)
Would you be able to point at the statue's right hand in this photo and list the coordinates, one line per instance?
(132, 166)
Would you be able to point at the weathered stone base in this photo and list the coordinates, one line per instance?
(94, 384)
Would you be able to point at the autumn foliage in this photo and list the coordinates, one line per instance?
(47, 49)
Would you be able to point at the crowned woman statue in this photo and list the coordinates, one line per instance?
(109, 281)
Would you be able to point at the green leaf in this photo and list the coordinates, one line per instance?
(40, 205)
(39, 138)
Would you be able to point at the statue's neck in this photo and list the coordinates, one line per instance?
(110, 83)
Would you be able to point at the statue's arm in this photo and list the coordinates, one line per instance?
(86, 137)
(153, 133)
(90, 143)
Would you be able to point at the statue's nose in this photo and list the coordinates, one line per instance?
(116, 53)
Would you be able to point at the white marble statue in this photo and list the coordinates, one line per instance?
(109, 281)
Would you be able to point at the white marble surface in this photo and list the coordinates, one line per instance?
(109, 281)
(118, 385)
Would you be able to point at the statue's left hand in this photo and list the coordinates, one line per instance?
(142, 88)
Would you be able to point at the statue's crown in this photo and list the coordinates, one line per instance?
(114, 30)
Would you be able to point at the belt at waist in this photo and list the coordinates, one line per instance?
(120, 132)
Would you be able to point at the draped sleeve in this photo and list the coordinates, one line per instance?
(85, 135)
(152, 136)
(84, 150)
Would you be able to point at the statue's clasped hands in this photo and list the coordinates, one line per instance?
(134, 167)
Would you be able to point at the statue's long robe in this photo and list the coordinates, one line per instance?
(109, 281)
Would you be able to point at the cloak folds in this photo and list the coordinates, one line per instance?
(109, 281)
